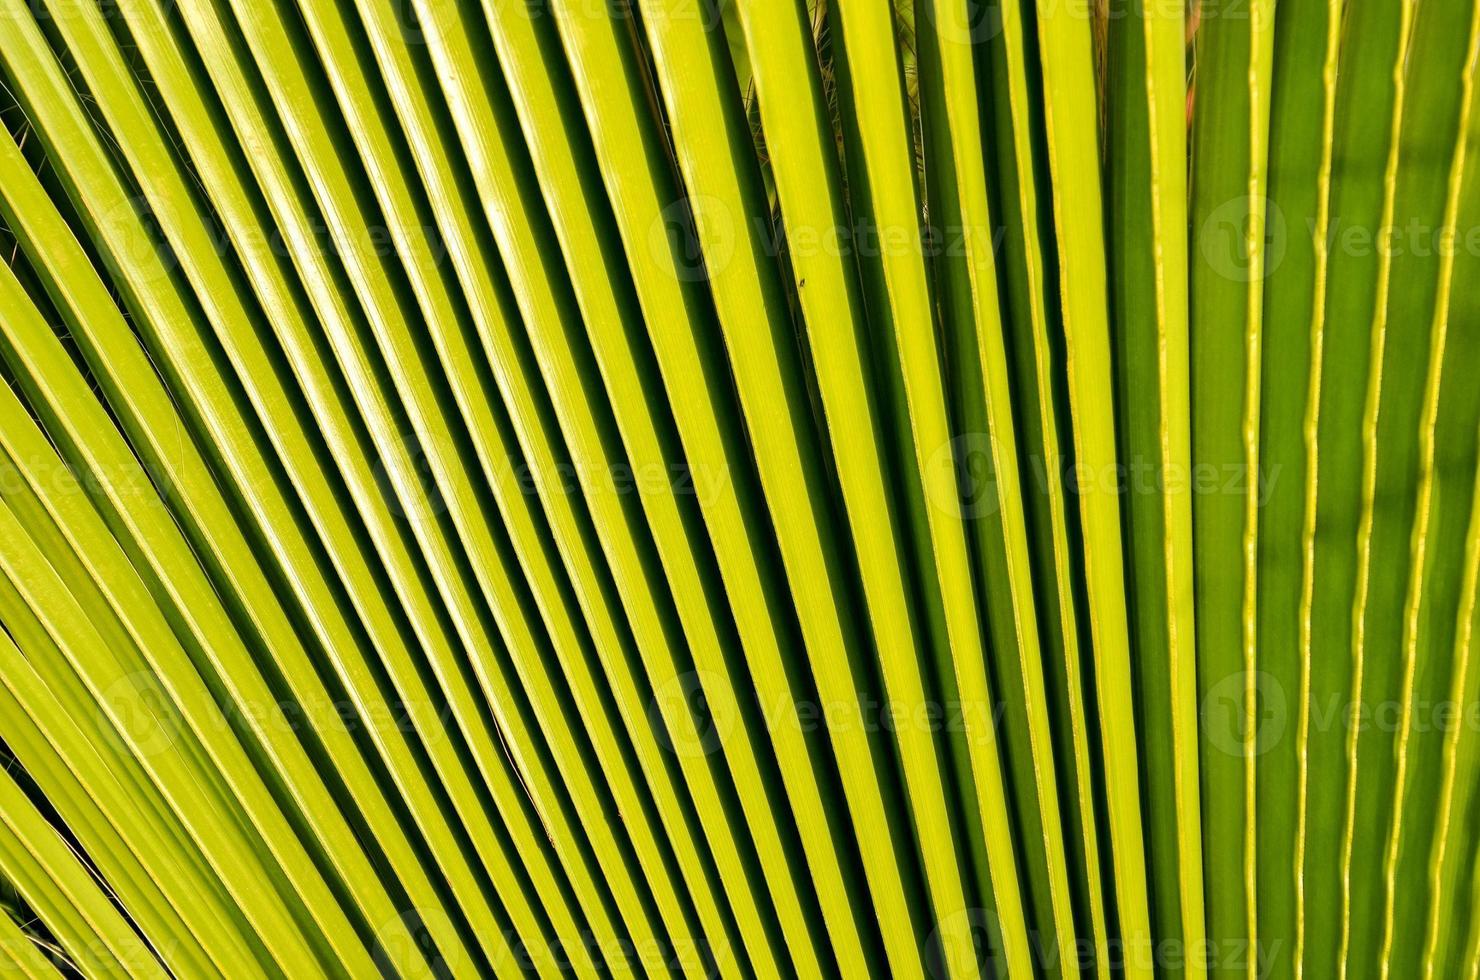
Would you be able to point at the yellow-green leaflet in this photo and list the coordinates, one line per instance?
(759, 489)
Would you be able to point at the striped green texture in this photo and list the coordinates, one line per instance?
(760, 489)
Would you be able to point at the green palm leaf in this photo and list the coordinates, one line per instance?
(766, 489)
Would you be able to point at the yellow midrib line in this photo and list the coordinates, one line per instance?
(1185, 764)
(878, 96)
(957, 63)
(1013, 43)
(1261, 37)
(1369, 469)
(1419, 543)
(830, 311)
(616, 131)
(1311, 438)
(740, 296)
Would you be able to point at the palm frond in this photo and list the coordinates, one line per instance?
(763, 489)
